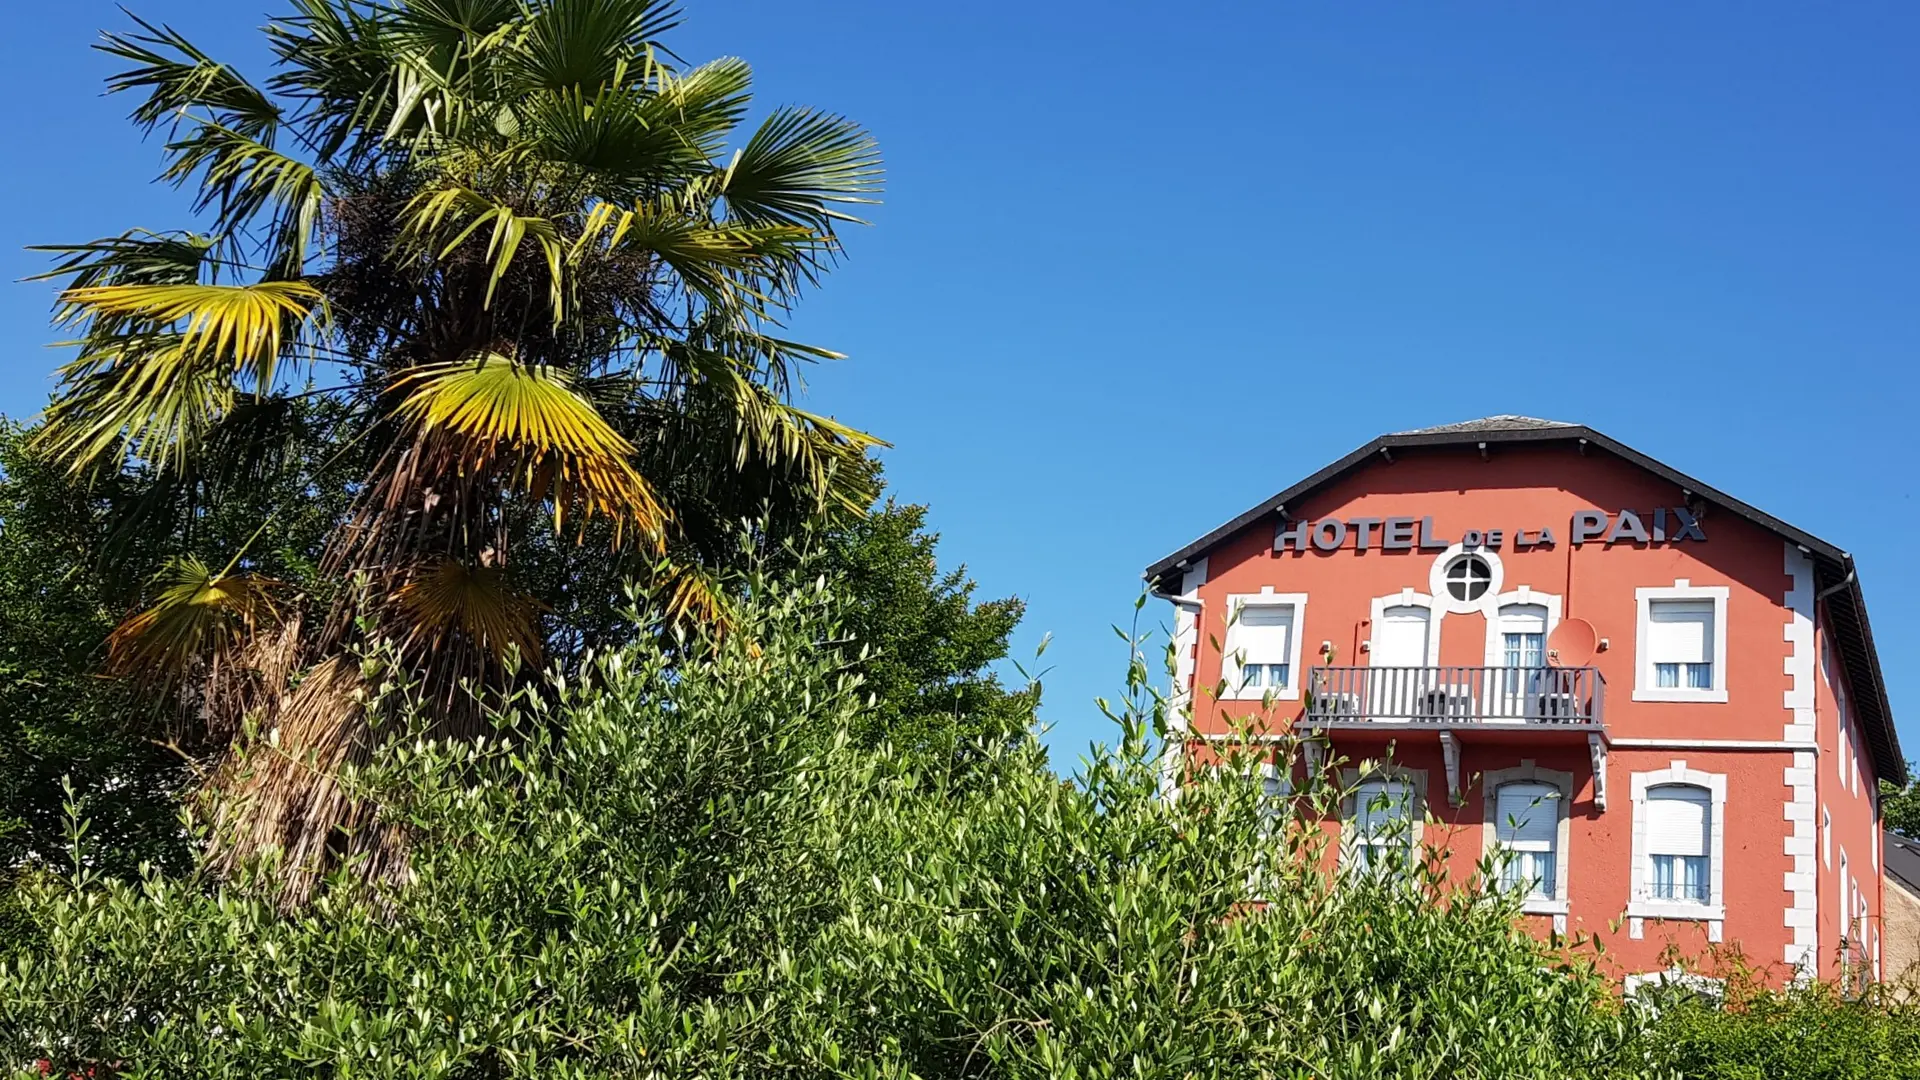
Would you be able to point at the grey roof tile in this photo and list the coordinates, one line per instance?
(1503, 422)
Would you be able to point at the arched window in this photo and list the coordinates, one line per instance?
(1679, 846)
(1527, 829)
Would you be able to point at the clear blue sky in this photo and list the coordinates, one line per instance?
(1142, 265)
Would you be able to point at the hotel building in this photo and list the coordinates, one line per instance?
(1664, 703)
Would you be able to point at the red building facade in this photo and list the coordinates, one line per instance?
(1664, 702)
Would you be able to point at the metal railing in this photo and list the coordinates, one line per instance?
(1448, 696)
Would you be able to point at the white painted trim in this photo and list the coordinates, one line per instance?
(1710, 744)
(1528, 772)
(1230, 667)
(1187, 609)
(1377, 612)
(1437, 581)
(1496, 648)
(1352, 778)
(1639, 905)
(1682, 589)
(1801, 778)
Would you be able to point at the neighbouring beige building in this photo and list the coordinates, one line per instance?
(1901, 925)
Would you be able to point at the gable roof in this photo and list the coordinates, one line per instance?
(1835, 577)
(1901, 856)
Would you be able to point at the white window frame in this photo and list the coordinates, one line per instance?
(1414, 779)
(1826, 836)
(1645, 686)
(1377, 613)
(1529, 773)
(1229, 659)
(1640, 903)
(1524, 596)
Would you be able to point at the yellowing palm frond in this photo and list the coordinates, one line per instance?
(433, 214)
(693, 600)
(198, 613)
(246, 324)
(824, 452)
(494, 411)
(477, 601)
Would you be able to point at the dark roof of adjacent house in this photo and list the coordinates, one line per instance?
(1902, 860)
(1834, 574)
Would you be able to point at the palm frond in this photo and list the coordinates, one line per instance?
(443, 71)
(826, 454)
(556, 444)
(434, 214)
(135, 257)
(740, 268)
(177, 77)
(798, 167)
(587, 44)
(477, 601)
(246, 325)
(691, 598)
(241, 177)
(197, 613)
(337, 60)
(144, 395)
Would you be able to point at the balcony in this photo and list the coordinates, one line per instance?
(1457, 698)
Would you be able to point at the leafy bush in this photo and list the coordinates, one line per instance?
(1807, 1032)
(690, 868)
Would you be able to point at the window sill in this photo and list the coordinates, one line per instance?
(1676, 909)
(1289, 694)
(1544, 907)
(1717, 697)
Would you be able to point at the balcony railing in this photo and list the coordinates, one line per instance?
(1571, 697)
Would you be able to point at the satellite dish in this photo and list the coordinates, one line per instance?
(1572, 643)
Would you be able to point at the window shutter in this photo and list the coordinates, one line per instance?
(1401, 638)
(1677, 820)
(1523, 619)
(1380, 803)
(1264, 633)
(1528, 816)
(1680, 631)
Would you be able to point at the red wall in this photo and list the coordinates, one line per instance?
(1544, 485)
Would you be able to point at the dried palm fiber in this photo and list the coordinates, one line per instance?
(281, 796)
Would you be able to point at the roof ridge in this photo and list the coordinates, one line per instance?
(1496, 422)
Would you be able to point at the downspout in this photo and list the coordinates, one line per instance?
(1833, 588)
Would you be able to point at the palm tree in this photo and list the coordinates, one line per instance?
(508, 241)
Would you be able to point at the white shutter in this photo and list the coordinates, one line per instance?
(1523, 619)
(1264, 633)
(1528, 816)
(1677, 820)
(1401, 638)
(1379, 803)
(1680, 631)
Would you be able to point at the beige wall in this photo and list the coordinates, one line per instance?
(1900, 930)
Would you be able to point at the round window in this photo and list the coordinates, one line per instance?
(1468, 578)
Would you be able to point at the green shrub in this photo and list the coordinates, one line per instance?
(1804, 1032)
(691, 869)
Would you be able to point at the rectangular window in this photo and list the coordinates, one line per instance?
(1260, 648)
(1680, 643)
(1678, 820)
(1527, 826)
(1381, 833)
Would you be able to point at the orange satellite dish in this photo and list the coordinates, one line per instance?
(1572, 643)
